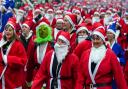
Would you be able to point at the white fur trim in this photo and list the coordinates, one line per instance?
(42, 23)
(11, 25)
(26, 25)
(70, 20)
(81, 28)
(64, 39)
(99, 34)
(99, 27)
(51, 63)
(60, 20)
(5, 59)
(18, 87)
(110, 30)
(3, 82)
(50, 10)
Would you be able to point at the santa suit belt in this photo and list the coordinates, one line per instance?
(62, 78)
(99, 85)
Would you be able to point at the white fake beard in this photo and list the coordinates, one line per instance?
(61, 52)
(107, 20)
(49, 16)
(58, 16)
(81, 38)
(18, 18)
(97, 54)
(95, 19)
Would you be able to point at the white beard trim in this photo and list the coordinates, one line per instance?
(97, 54)
(61, 52)
(81, 38)
(2, 42)
(95, 19)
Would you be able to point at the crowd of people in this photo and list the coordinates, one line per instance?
(63, 46)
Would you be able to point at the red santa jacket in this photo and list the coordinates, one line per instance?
(33, 60)
(16, 60)
(104, 72)
(66, 76)
(81, 47)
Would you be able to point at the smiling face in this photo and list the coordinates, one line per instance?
(9, 32)
(97, 41)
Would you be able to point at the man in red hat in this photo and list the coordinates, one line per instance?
(58, 28)
(59, 67)
(99, 65)
(70, 21)
(27, 34)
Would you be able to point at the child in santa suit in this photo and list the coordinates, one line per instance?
(99, 65)
(59, 67)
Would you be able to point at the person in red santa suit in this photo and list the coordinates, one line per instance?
(37, 52)
(96, 17)
(27, 35)
(77, 11)
(99, 65)
(70, 21)
(27, 38)
(58, 28)
(87, 43)
(50, 16)
(82, 34)
(59, 67)
(13, 58)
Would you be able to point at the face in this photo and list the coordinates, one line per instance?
(67, 25)
(61, 42)
(97, 41)
(82, 33)
(25, 30)
(43, 33)
(59, 25)
(9, 32)
(110, 36)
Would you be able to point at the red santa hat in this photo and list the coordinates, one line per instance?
(12, 23)
(28, 24)
(72, 18)
(60, 20)
(100, 32)
(21, 9)
(50, 10)
(96, 13)
(76, 10)
(109, 12)
(37, 8)
(65, 36)
(97, 25)
(81, 27)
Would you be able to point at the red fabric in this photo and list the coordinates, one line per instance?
(108, 68)
(16, 60)
(68, 69)
(33, 65)
(83, 46)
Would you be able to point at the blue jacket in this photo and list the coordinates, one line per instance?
(119, 52)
